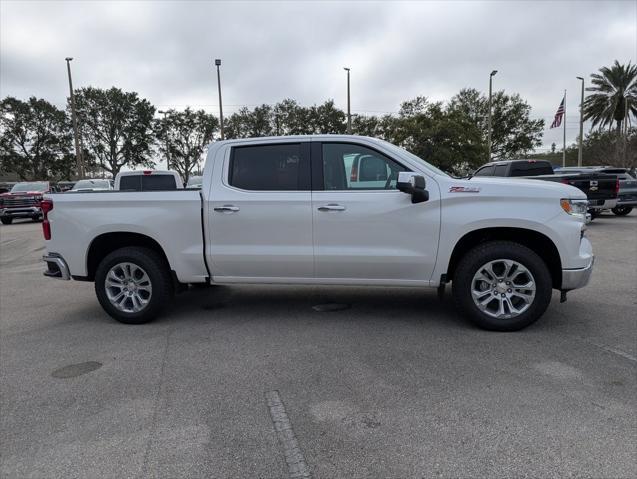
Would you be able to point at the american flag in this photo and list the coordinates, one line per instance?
(557, 121)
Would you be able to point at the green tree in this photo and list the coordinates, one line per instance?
(183, 137)
(614, 96)
(35, 140)
(445, 137)
(116, 127)
(514, 133)
(285, 118)
(247, 123)
(326, 119)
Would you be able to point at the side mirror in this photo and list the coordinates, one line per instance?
(413, 185)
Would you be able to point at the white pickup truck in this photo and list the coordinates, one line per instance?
(329, 210)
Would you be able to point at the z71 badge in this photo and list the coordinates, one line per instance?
(464, 189)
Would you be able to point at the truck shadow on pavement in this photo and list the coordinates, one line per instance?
(318, 303)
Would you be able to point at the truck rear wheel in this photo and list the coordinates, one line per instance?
(622, 210)
(502, 286)
(133, 284)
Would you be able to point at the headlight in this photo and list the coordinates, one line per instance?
(575, 207)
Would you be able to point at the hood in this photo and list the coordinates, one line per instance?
(513, 187)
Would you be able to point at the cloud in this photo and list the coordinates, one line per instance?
(273, 50)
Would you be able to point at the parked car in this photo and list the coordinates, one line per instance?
(23, 201)
(627, 194)
(194, 182)
(148, 180)
(601, 189)
(96, 184)
(284, 210)
(65, 186)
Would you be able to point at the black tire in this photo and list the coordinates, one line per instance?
(158, 272)
(595, 214)
(6, 221)
(482, 254)
(622, 210)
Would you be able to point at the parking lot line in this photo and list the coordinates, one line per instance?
(293, 455)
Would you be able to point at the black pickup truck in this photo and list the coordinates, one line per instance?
(601, 188)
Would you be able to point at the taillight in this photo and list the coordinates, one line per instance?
(617, 186)
(565, 182)
(46, 205)
(148, 172)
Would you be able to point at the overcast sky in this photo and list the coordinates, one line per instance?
(164, 50)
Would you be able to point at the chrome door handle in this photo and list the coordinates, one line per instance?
(332, 207)
(226, 208)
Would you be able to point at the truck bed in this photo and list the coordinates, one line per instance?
(172, 218)
(597, 186)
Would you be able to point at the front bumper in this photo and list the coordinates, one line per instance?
(21, 212)
(56, 267)
(577, 278)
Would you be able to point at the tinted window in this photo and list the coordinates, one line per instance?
(531, 169)
(485, 171)
(348, 166)
(132, 182)
(158, 182)
(269, 168)
(500, 170)
(147, 182)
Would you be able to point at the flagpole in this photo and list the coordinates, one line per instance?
(564, 132)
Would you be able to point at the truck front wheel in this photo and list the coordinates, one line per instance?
(133, 284)
(502, 286)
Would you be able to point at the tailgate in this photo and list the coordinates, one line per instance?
(596, 187)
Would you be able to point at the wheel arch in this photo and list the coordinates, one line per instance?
(538, 242)
(106, 243)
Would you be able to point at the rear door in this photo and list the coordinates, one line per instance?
(365, 230)
(260, 213)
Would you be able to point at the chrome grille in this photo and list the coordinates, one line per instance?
(19, 202)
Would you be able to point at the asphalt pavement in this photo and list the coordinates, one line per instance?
(253, 381)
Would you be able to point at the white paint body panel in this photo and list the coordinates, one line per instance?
(381, 238)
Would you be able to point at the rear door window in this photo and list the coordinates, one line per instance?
(279, 167)
(500, 170)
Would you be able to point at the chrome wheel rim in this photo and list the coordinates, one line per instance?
(128, 287)
(503, 288)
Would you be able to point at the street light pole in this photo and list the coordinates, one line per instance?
(349, 111)
(76, 133)
(218, 64)
(167, 153)
(581, 124)
(490, 97)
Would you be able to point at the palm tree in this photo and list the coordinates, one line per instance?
(614, 97)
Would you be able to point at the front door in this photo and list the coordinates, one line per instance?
(260, 214)
(365, 230)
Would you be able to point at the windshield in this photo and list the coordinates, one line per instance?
(91, 184)
(404, 152)
(31, 186)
